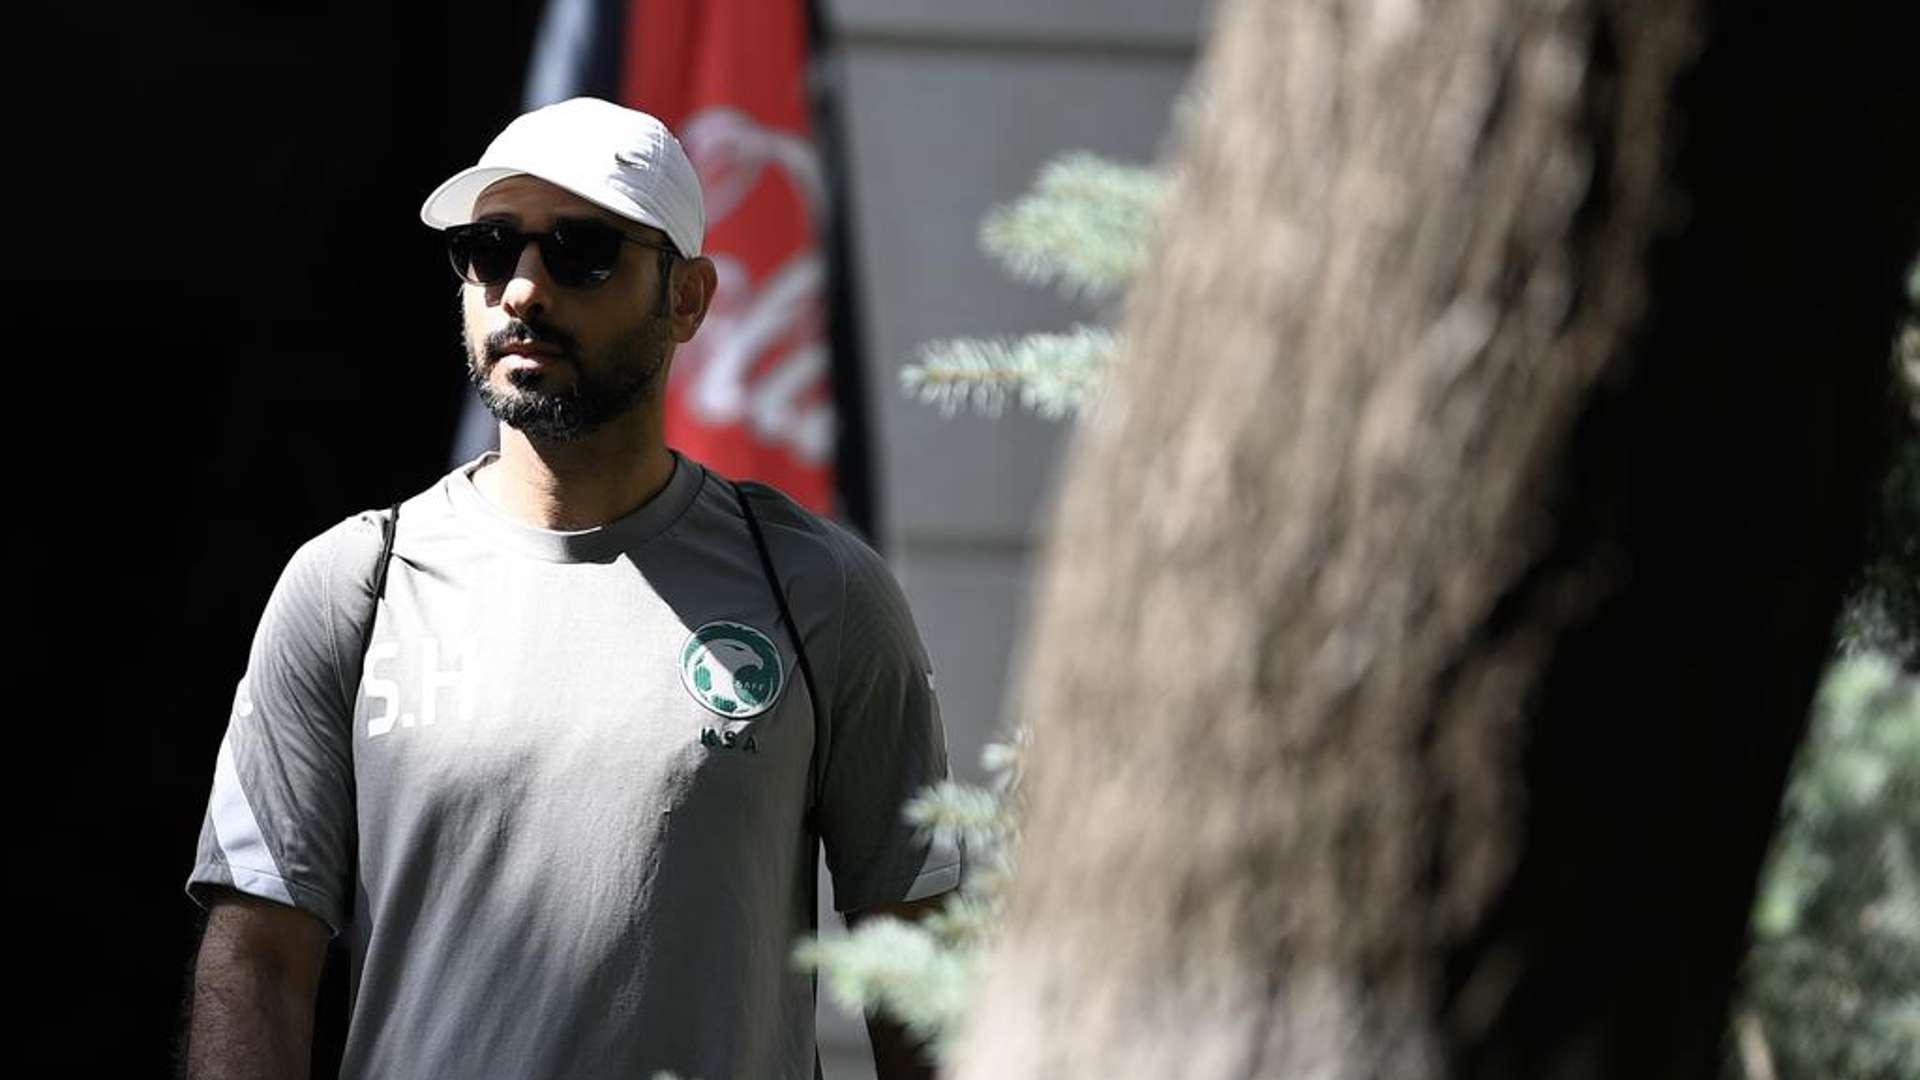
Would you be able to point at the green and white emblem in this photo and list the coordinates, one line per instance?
(732, 669)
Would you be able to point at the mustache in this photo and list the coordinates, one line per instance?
(528, 331)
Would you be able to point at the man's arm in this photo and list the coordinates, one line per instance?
(897, 1055)
(254, 983)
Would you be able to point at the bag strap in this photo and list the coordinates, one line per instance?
(793, 632)
(813, 698)
(389, 526)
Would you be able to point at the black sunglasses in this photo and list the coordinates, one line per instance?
(577, 254)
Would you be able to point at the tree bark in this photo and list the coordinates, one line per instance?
(1437, 596)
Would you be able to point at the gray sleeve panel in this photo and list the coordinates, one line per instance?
(280, 820)
(886, 743)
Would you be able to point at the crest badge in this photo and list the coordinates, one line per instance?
(732, 669)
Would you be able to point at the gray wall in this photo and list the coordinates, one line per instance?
(952, 108)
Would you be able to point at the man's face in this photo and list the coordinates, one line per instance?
(557, 362)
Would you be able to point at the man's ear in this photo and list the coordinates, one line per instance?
(690, 294)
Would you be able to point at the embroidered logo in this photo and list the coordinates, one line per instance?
(732, 669)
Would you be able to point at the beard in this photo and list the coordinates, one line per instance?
(605, 385)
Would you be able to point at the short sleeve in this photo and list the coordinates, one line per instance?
(280, 819)
(886, 745)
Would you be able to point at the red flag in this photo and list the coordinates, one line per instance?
(751, 394)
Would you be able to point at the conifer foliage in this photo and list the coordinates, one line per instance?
(1832, 984)
(1083, 228)
(1833, 981)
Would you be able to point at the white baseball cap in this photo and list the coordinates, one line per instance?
(619, 159)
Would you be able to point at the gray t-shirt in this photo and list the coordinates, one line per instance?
(561, 816)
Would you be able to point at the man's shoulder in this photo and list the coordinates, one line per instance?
(333, 568)
(822, 558)
(359, 537)
(791, 528)
(869, 592)
(424, 517)
(341, 559)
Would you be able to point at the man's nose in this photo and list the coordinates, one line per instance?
(525, 293)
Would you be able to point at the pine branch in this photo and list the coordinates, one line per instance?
(952, 810)
(900, 968)
(1054, 375)
(1084, 227)
(1837, 919)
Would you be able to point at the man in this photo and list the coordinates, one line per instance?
(566, 815)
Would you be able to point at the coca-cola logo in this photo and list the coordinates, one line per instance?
(761, 358)
(730, 152)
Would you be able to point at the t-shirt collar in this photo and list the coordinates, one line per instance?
(597, 544)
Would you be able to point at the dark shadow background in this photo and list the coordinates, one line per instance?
(225, 329)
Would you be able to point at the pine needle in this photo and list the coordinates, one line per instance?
(1083, 227)
(1054, 375)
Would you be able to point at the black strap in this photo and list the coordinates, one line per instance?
(786, 617)
(388, 530)
(813, 698)
(389, 526)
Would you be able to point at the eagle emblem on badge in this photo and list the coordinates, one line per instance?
(733, 669)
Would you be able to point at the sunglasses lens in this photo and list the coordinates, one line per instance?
(483, 252)
(581, 252)
(576, 253)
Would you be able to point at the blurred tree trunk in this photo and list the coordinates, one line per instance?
(1435, 603)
